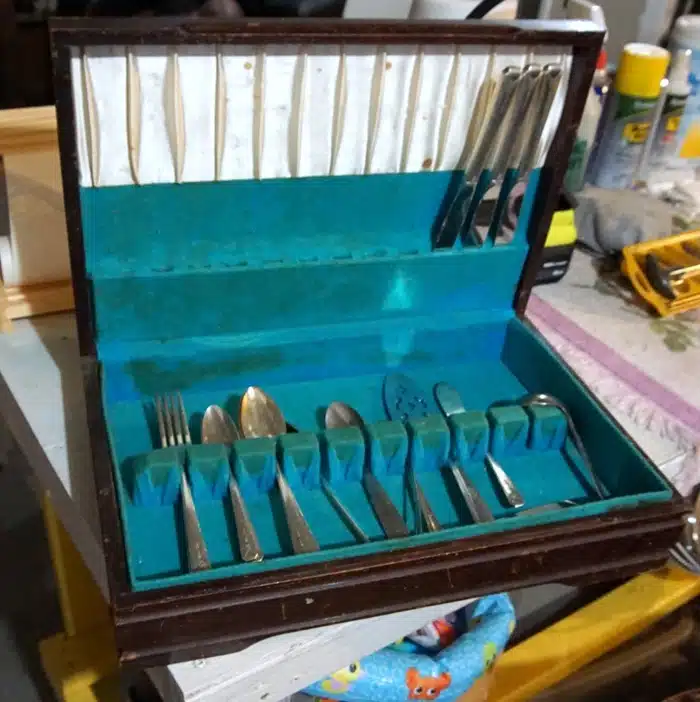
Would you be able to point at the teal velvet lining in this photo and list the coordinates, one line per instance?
(139, 230)
(208, 259)
(314, 289)
(488, 362)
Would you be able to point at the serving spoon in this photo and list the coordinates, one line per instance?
(544, 400)
(404, 399)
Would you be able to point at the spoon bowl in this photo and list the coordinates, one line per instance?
(340, 415)
(260, 415)
(218, 427)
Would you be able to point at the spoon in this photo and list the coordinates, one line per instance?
(404, 399)
(260, 416)
(340, 415)
(451, 404)
(419, 497)
(550, 507)
(545, 400)
(219, 428)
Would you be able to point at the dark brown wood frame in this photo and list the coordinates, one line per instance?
(186, 622)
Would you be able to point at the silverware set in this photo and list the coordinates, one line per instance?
(505, 151)
(261, 417)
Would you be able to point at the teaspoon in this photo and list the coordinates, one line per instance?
(219, 428)
(340, 415)
(260, 416)
(545, 400)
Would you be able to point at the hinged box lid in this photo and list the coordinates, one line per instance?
(283, 157)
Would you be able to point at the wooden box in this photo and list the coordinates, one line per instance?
(257, 203)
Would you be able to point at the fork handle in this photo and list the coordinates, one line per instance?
(247, 539)
(197, 556)
(303, 540)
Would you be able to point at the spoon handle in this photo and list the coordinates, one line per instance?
(431, 521)
(343, 512)
(393, 524)
(510, 492)
(197, 557)
(475, 502)
(303, 541)
(247, 539)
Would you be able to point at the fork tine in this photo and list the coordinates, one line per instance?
(183, 420)
(161, 421)
(691, 563)
(684, 559)
(168, 420)
(175, 419)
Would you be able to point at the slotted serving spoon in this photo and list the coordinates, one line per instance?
(403, 399)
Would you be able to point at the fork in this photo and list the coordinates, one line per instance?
(686, 551)
(174, 431)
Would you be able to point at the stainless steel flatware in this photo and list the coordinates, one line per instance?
(343, 512)
(476, 177)
(392, 391)
(260, 416)
(450, 403)
(550, 507)
(404, 399)
(545, 400)
(686, 551)
(219, 428)
(174, 431)
(519, 159)
(339, 415)
(508, 139)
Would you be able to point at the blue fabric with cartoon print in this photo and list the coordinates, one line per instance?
(430, 664)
